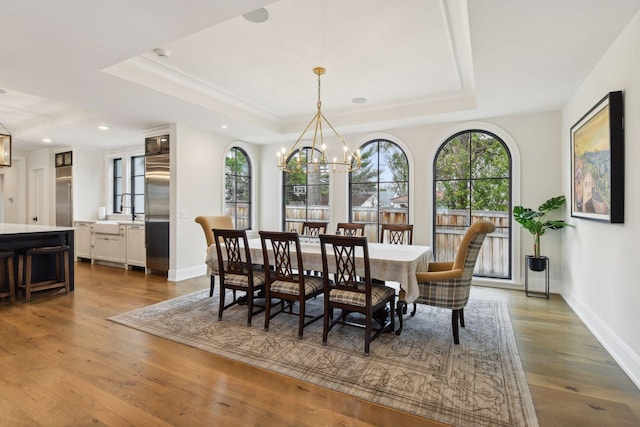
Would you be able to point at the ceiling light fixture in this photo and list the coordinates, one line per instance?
(103, 127)
(359, 100)
(5, 147)
(257, 16)
(162, 52)
(47, 140)
(321, 160)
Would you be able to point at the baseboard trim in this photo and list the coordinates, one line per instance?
(628, 360)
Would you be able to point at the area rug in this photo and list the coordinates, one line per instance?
(479, 382)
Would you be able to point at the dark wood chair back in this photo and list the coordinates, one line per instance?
(314, 229)
(350, 229)
(397, 234)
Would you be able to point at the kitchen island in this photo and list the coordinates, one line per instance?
(20, 237)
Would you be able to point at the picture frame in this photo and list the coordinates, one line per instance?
(597, 162)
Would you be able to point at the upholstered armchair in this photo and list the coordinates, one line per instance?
(208, 223)
(447, 284)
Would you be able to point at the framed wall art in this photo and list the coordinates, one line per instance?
(597, 162)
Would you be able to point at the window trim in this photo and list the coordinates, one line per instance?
(118, 190)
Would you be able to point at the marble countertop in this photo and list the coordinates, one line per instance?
(8, 228)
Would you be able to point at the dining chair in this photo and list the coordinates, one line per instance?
(284, 278)
(396, 234)
(313, 228)
(352, 290)
(236, 270)
(350, 229)
(208, 223)
(447, 284)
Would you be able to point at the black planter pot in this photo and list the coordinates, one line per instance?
(537, 264)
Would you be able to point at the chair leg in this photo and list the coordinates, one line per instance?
(454, 323)
(462, 317)
(367, 333)
(249, 307)
(212, 280)
(399, 309)
(328, 314)
(267, 312)
(221, 306)
(301, 319)
(415, 308)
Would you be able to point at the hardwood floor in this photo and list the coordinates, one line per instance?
(64, 364)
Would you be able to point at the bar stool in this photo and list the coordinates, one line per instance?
(7, 275)
(57, 282)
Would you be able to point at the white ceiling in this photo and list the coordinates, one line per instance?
(71, 65)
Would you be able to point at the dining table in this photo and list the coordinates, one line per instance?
(388, 263)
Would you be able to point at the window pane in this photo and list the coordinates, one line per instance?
(452, 161)
(490, 158)
(243, 189)
(138, 201)
(490, 195)
(138, 184)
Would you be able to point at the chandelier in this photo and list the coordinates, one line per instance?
(319, 159)
(5, 146)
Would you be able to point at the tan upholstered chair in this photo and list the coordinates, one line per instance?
(208, 223)
(447, 284)
(352, 289)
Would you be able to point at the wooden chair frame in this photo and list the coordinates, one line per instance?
(280, 270)
(354, 284)
(237, 273)
(350, 229)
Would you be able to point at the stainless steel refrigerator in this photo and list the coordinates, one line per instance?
(64, 197)
(156, 211)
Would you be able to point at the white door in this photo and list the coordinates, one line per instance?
(37, 199)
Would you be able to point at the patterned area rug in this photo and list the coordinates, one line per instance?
(479, 382)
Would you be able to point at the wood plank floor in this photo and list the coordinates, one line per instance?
(64, 364)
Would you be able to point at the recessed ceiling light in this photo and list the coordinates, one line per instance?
(257, 16)
(359, 100)
(224, 126)
(103, 127)
(162, 52)
(2, 91)
(47, 140)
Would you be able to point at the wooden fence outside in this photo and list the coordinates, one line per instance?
(451, 225)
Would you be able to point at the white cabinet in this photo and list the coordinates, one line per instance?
(109, 244)
(83, 240)
(136, 250)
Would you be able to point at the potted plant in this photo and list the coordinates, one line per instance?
(536, 223)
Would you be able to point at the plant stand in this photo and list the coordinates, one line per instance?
(544, 294)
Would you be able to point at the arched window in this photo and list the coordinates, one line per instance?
(379, 190)
(306, 194)
(472, 181)
(237, 188)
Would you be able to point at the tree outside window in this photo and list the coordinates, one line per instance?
(472, 181)
(306, 194)
(379, 190)
(237, 186)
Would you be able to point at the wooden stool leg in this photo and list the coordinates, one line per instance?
(27, 278)
(11, 282)
(66, 272)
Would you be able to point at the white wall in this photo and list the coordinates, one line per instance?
(601, 282)
(196, 188)
(533, 140)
